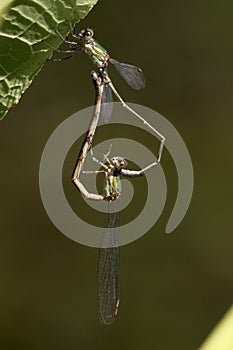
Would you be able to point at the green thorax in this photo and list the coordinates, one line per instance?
(112, 189)
(97, 53)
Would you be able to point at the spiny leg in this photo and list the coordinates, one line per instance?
(60, 59)
(73, 50)
(136, 173)
(157, 133)
(72, 31)
(107, 153)
(64, 39)
(93, 171)
(97, 160)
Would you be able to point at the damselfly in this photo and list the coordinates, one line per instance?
(108, 262)
(113, 169)
(85, 42)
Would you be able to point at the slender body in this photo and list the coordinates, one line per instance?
(108, 276)
(133, 75)
(113, 169)
(108, 261)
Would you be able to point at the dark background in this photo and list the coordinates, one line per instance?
(174, 288)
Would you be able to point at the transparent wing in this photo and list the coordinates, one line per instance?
(107, 103)
(108, 269)
(131, 74)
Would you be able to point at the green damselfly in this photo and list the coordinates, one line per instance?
(113, 169)
(133, 75)
(108, 262)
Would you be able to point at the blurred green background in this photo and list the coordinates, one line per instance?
(174, 288)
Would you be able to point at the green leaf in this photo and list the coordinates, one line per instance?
(22, 51)
(221, 338)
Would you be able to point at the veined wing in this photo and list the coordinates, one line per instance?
(108, 269)
(107, 103)
(131, 74)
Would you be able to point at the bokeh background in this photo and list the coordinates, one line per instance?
(174, 288)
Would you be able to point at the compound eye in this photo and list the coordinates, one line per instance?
(88, 33)
(119, 162)
(122, 163)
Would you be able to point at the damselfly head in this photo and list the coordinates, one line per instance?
(86, 34)
(119, 162)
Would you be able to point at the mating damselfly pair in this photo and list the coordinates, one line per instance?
(112, 168)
